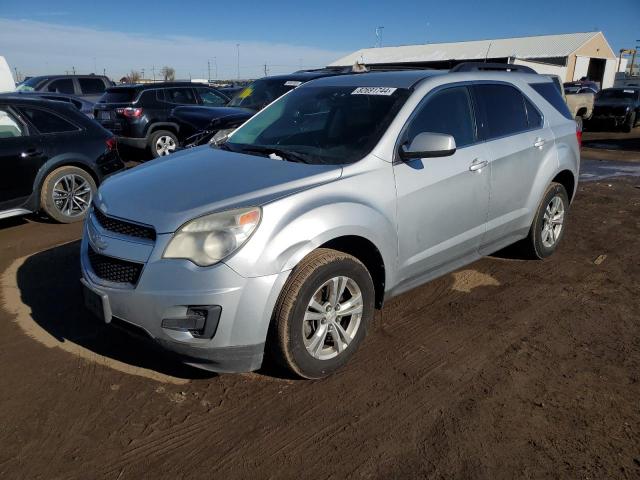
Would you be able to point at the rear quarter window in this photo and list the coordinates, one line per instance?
(119, 95)
(551, 94)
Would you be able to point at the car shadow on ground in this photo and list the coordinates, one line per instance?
(48, 283)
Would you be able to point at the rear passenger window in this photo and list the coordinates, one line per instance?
(448, 111)
(533, 115)
(63, 85)
(91, 86)
(48, 122)
(180, 95)
(553, 96)
(503, 108)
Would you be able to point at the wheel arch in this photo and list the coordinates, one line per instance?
(169, 126)
(52, 165)
(568, 181)
(365, 251)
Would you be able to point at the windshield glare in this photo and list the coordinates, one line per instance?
(322, 125)
(261, 93)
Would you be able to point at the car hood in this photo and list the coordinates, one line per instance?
(168, 192)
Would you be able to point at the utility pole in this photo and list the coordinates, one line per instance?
(17, 77)
(379, 36)
(208, 71)
(238, 48)
(142, 74)
(215, 66)
(73, 69)
(153, 71)
(266, 70)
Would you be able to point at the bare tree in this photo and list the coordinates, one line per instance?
(168, 73)
(134, 76)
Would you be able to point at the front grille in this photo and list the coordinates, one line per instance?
(122, 227)
(114, 269)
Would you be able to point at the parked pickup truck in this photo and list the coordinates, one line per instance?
(580, 104)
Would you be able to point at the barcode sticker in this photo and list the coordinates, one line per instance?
(292, 83)
(373, 91)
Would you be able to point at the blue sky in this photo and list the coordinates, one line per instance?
(122, 35)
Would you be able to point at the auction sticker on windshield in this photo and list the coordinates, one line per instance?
(292, 83)
(373, 91)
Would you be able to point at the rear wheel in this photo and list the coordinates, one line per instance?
(66, 194)
(162, 143)
(547, 228)
(322, 314)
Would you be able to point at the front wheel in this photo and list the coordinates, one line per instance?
(630, 123)
(548, 224)
(322, 314)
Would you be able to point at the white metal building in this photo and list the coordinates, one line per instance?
(571, 55)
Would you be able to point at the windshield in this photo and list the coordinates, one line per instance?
(30, 85)
(616, 94)
(119, 95)
(321, 125)
(261, 93)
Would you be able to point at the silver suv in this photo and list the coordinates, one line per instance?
(346, 191)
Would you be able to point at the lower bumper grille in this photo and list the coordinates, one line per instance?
(114, 269)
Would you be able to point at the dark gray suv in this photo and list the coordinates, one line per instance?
(90, 87)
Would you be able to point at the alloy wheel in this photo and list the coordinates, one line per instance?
(552, 222)
(165, 145)
(332, 318)
(72, 195)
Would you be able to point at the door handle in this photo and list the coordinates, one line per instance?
(30, 153)
(477, 165)
(539, 143)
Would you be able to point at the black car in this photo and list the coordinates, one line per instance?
(198, 125)
(618, 106)
(90, 87)
(52, 158)
(139, 114)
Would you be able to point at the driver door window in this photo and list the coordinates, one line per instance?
(448, 111)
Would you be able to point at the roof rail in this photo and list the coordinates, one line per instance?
(491, 67)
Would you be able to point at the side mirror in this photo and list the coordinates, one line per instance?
(427, 144)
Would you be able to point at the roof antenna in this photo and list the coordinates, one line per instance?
(487, 54)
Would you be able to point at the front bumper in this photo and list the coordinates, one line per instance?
(167, 288)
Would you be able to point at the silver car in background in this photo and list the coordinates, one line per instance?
(346, 191)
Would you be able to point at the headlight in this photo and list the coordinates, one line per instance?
(221, 136)
(209, 239)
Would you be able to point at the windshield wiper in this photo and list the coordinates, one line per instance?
(284, 154)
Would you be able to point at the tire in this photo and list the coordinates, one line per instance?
(291, 339)
(630, 123)
(542, 240)
(162, 142)
(66, 194)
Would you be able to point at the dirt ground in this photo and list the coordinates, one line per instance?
(507, 368)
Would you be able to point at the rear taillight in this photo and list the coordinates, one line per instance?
(579, 135)
(111, 143)
(129, 112)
